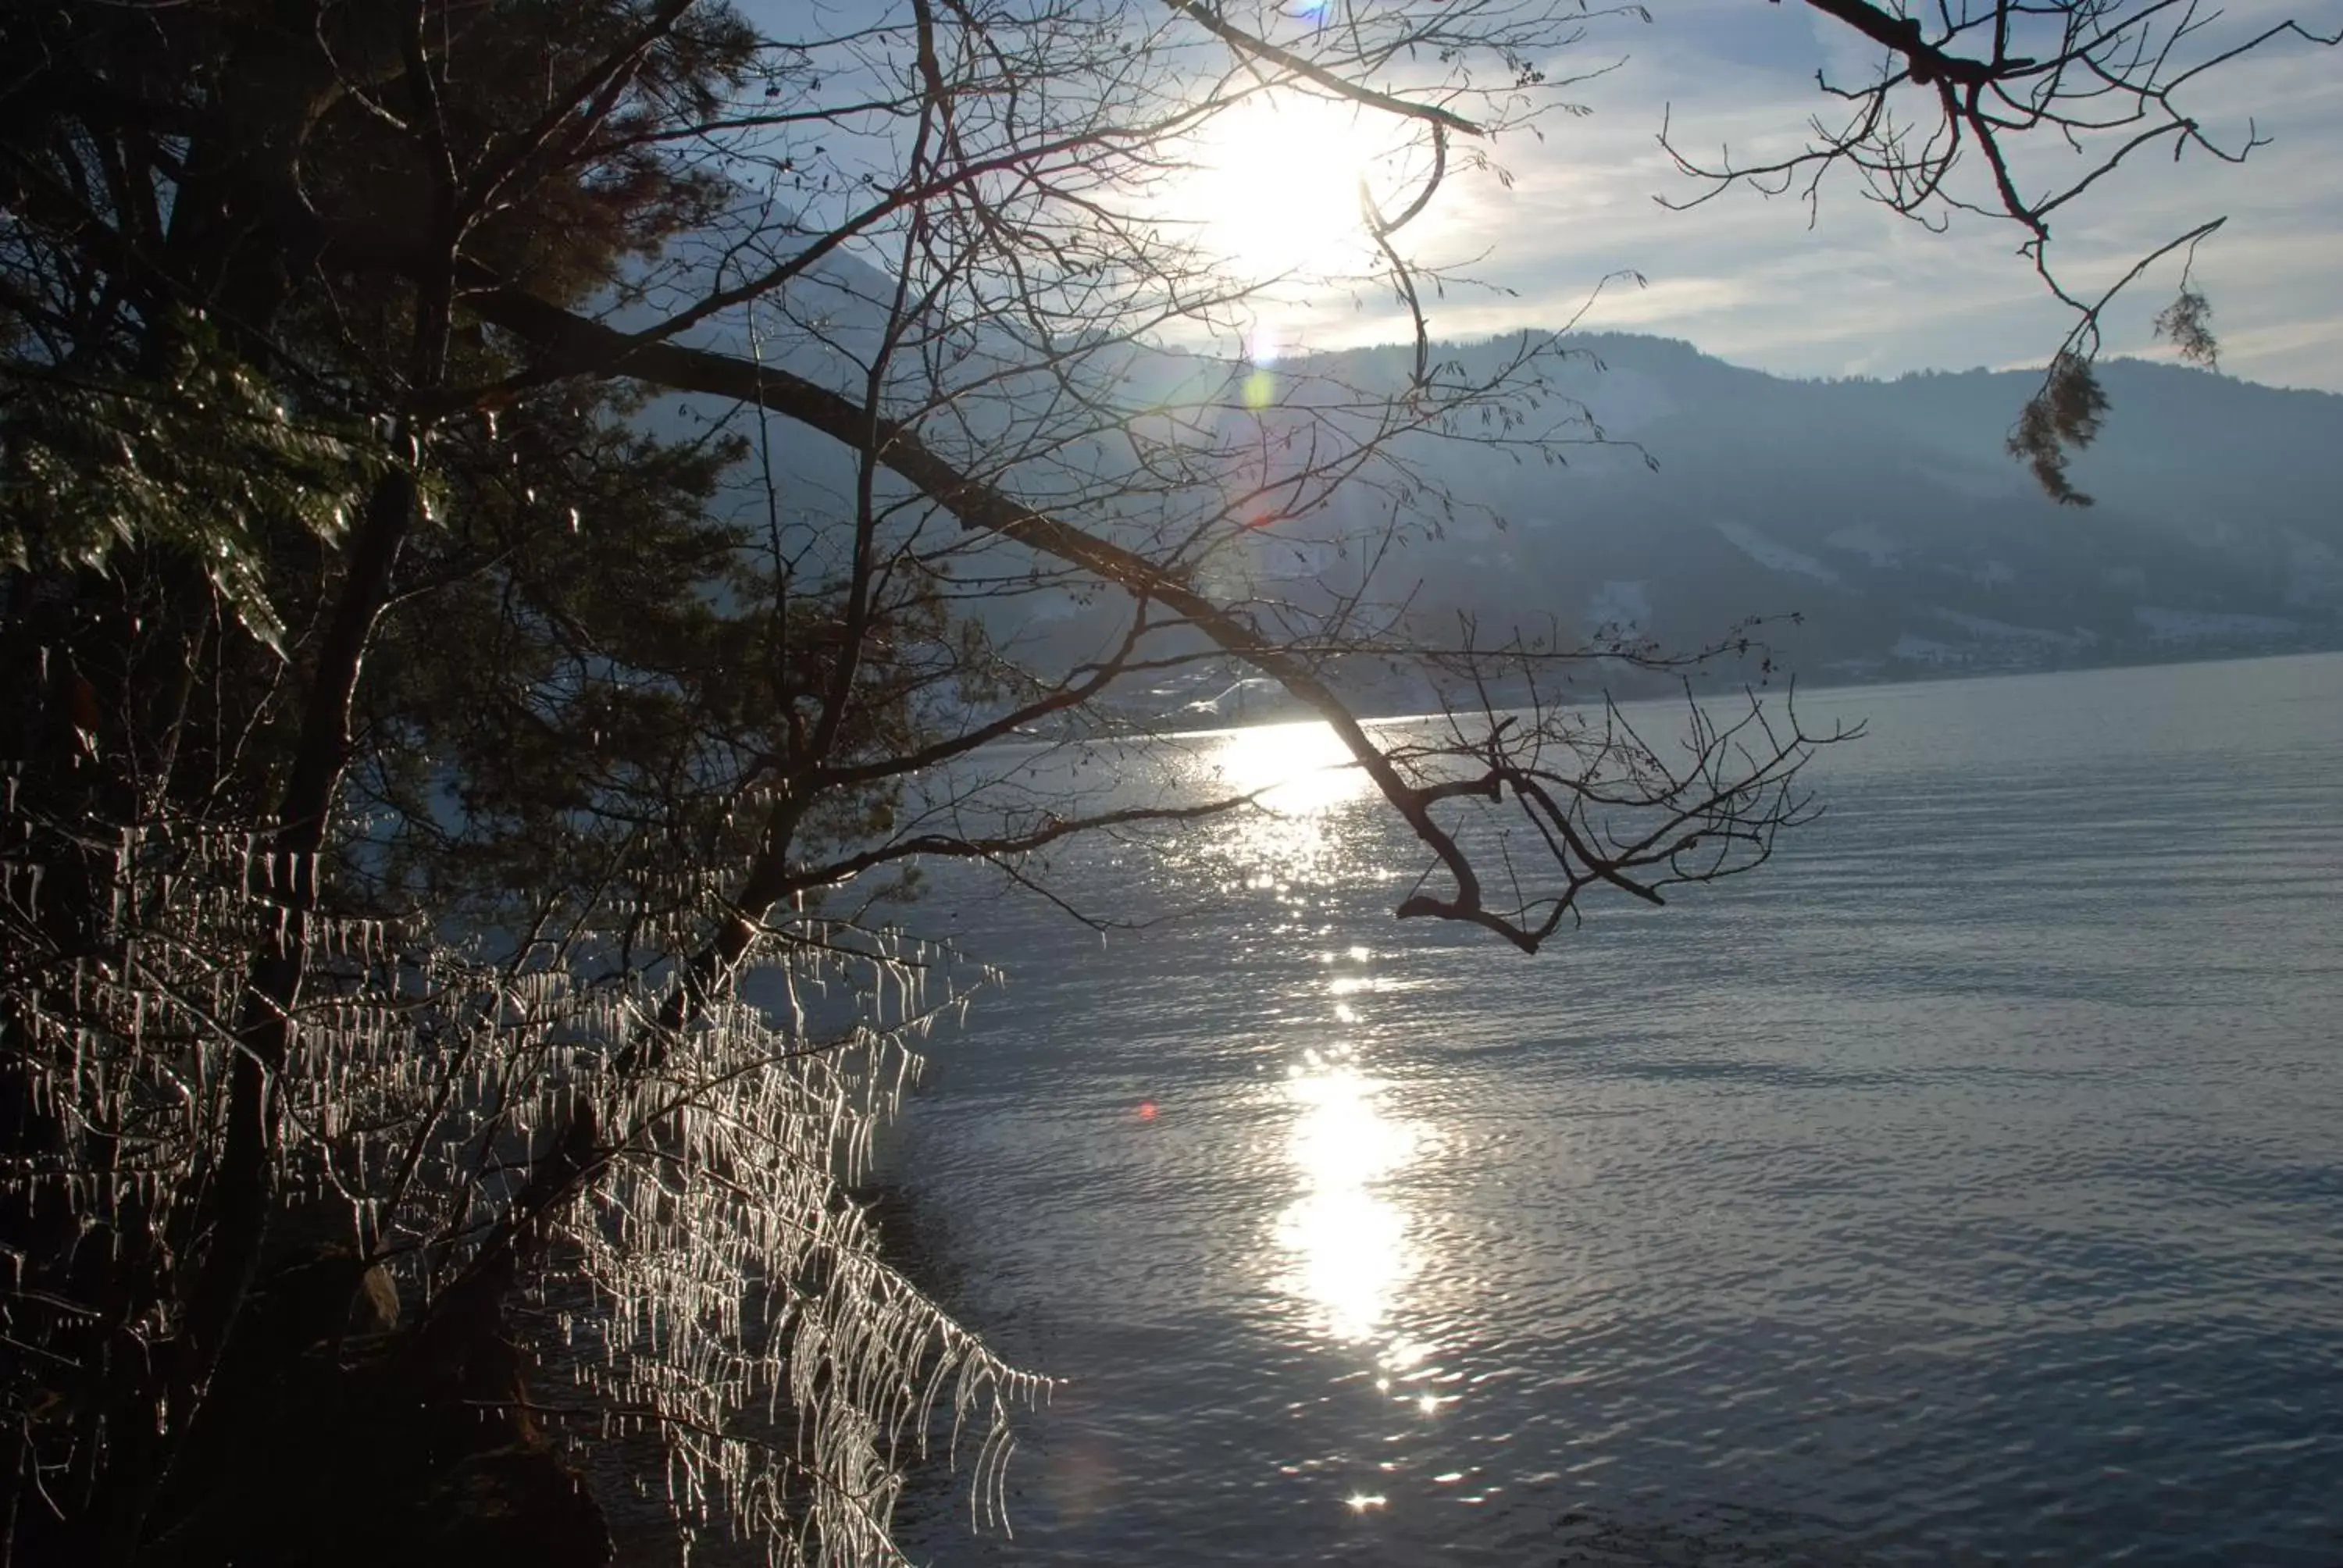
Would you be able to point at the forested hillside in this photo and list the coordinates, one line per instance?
(1890, 517)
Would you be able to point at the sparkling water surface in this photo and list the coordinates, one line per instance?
(1965, 1186)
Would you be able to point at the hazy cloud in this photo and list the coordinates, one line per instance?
(1861, 291)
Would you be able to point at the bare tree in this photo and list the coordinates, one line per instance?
(527, 523)
(2019, 113)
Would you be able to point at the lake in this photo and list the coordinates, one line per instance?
(1965, 1186)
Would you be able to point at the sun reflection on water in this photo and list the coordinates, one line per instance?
(1346, 1242)
(1299, 839)
(1351, 1248)
(1296, 769)
(1349, 1245)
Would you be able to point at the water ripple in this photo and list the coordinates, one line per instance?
(1966, 1190)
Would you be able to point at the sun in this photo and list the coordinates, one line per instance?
(1273, 185)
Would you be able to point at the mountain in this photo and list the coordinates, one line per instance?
(1888, 516)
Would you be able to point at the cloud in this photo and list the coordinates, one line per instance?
(1861, 289)
(1856, 288)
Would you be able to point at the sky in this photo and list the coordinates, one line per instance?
(1861, 291)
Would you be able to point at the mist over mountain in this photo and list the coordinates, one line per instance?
(1889, 517)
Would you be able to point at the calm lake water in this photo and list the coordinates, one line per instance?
(1967, 1186)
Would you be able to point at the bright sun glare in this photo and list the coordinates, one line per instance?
(1301, 769)
(1347, 1241)
(1276, 184)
